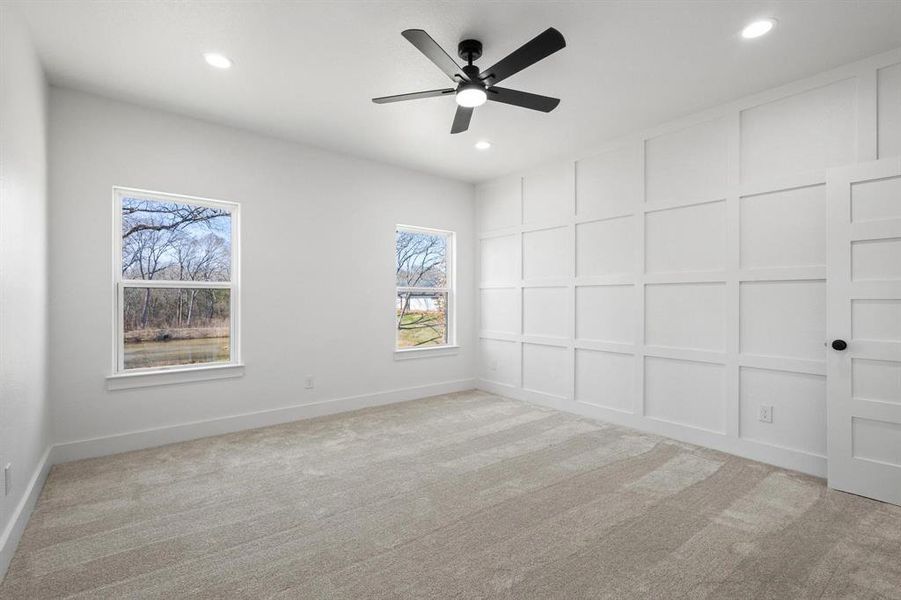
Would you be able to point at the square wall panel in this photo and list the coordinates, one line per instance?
(876, 200)
(689, 238)
(688, 165)
(545, 311)
(686, 315)
(876, 441)
(686, 392)
(784, 229)
(547, 194)
(499, 203)
(889, 109)
(809, 131)
(606, 247)
(499, 310)
(878, 320)
(876, 260)
(605, 379)
(608, 184)
(545, 369)
(784, 318)
(876, 380)
(547, 254)
(499, 361)
(799, 409)
(606, 313)
(500, 259)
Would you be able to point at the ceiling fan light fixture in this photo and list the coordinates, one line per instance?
(471, 95)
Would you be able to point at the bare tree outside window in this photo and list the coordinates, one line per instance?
(176, 269)
(423, 287)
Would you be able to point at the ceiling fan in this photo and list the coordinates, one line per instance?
(475, 87)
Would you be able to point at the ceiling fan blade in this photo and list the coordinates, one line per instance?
(461, 119)
(523, 99)
(425, 44)
(413, 96)
(539, 47)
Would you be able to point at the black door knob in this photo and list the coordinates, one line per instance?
(839, 345)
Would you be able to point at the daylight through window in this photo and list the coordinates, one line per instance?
(425, 289)
(175, 278)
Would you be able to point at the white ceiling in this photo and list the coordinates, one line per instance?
(307, 70)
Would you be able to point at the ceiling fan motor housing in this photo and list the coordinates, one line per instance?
(472, 72)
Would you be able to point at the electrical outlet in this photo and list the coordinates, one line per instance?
(7, 479)
(766, 413)
(309, 383)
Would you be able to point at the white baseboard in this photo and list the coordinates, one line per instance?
(13, 532)
(149, 438)
(786, 458)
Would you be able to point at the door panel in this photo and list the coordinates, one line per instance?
(864, 309)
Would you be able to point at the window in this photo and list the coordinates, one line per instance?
(175, 282)
(425, 288)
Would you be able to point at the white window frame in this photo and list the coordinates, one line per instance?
(122, 378)
(450, 347)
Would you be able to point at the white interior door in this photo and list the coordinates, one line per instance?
(864, 311)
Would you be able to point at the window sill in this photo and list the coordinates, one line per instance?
(433, 352)
(126, 381)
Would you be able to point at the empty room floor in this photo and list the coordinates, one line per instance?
(461, 496)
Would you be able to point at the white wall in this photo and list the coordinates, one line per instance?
(674, 280)
(317, 272)
(24, 423)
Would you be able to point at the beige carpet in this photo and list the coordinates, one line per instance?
(461, 496)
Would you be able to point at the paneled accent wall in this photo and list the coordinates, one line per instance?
(675, 280)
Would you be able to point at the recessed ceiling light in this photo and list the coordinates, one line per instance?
(758, 28)
(483, 145)
(220, 61)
